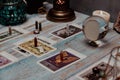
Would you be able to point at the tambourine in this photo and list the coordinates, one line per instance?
(95, 28)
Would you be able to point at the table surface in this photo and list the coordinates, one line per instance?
(28, 69)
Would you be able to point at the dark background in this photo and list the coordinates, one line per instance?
(88, 6)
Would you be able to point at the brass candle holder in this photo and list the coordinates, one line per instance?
(61, 12)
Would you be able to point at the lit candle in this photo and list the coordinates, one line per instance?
(60, 2)
(102, 14)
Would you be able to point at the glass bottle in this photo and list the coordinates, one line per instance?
(12, 12)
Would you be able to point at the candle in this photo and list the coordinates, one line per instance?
(10, 30)
(102, 14)
(61, 55)
(40, 27)
(36, 24)
(35, 42)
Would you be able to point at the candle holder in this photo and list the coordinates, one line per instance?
(61, 12)
(102, 14)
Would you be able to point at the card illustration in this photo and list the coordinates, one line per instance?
(97, 72)
(6, 35)
(4, 61)
(61, 60)
(41, 49)
(66, 32)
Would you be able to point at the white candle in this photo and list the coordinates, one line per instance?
(102, 14)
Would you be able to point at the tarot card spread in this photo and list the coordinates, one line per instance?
(67, 31)
(97, 72)
(5, 35)
(41, 49)
(59, 61)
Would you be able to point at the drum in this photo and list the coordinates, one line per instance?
(95, 28)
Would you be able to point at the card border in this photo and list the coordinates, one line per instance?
(21, 52)
(13, 37)
(64, 27)
(10, 57)
(47, 40)
(91, 66)
(41, 42)
(80, 55)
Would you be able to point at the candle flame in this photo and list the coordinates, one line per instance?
(60, 2)
(101, 12)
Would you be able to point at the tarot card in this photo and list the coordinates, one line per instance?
(47, 40)
(96, 71)
(21, 30)
(61, 60)
(41, 49)
(17, 54)
(19, 50)
(29, 25)
(6, 59)
(4, 36)
(67, 31)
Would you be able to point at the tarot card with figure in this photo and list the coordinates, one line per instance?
(6, 35)
(61, 60)
(67, 31)
(41, 49)
(97, 72)
(6, 59)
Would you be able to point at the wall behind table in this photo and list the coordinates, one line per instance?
(88, 6)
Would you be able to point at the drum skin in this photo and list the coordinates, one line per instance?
(95, 28)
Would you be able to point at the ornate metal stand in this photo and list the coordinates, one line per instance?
(61, 12)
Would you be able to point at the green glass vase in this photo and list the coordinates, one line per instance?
(12, 12)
